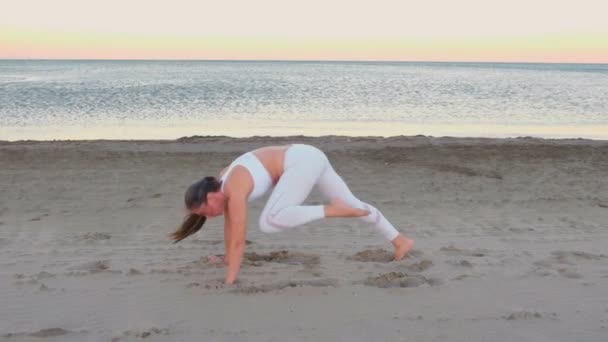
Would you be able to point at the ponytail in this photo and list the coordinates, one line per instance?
(195, 195)
(192, 224)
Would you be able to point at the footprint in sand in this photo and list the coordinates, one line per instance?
(399, 279)
(465, 171)
(134, 271)
(571, 274)
(373, 255)
(282, 257)
(92, 237)
(42, 333)
(91, 267)
(278, 286)
(309, 261)
(460, 263)
(572, 257)
(419, 266)
(50, 332)
(527, 315)
(563, 262)
(140, 334)
(379, 255)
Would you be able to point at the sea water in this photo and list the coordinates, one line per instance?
(93, 99)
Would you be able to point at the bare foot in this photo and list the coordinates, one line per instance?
(338, 208)
(402, 246)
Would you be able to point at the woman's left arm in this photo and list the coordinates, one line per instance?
(235, 239)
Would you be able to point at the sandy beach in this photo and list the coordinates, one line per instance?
(511, 244)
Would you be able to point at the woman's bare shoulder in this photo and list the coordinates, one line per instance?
(238, 182)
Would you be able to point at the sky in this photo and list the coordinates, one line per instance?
(376, 30)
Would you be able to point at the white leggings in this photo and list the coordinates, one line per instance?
(304, 167)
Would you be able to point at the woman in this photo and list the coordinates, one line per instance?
(293, 170)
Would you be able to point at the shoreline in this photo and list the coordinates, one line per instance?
(179, 129)
(345, 138)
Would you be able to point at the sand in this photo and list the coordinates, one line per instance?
(511, 245)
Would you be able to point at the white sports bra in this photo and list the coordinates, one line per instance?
(262, 182)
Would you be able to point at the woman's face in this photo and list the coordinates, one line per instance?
(214, 206)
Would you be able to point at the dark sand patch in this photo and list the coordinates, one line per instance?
(42, 333)
(252, 289)
(93, 236)
(90, 267)
(282, 257)
(134, 271)
(602, 205)
(39, 218)
(50, 332)
(381, 255)
(570, 274)
(419, 266)
(527, 315)
(554, 265)
(570, 257)
(465, 171)
(163, 271)
(398, 279)
(460, 263)
(141, 334)
(373, 255)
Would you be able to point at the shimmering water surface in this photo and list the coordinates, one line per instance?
(169, 99)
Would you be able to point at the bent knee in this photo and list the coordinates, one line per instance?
(267, 226)
(374, 213)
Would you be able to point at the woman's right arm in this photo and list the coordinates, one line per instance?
(237, 232)
(226, 236)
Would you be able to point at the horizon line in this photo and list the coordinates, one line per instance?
(290, 60)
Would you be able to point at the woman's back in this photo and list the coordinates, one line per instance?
(272, 158)
(264, 168)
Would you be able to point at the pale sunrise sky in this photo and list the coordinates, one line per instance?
(431, 30)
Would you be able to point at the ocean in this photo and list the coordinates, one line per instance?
(94, 99)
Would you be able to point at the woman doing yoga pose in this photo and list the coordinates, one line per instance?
(293, 170)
